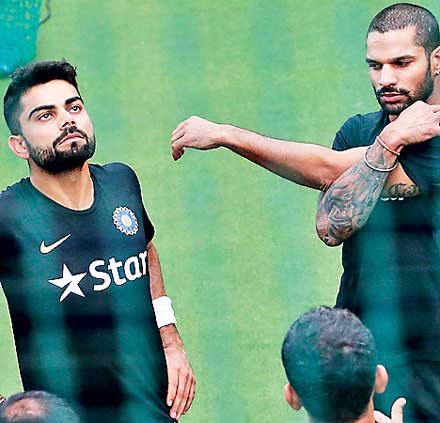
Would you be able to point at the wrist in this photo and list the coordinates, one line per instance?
(163, 311)
(228, 136)
(392, 138)
(170, 337)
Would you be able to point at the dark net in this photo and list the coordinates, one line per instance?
(19, 23)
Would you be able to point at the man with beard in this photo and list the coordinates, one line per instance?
(78, 267)
(391, 254)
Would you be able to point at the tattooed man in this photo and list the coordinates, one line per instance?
(391, 252)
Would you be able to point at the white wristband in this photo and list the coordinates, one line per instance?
(164, 311)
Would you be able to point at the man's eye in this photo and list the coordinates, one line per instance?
(402, 64)
(75, 108)
(45, 116)
(375, 66)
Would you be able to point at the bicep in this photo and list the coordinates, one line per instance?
(400, 185)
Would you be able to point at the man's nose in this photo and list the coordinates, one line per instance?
(388, 76)
(66, 120)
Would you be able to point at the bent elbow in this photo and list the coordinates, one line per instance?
(331, 240)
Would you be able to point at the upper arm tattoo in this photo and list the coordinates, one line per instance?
(400, 191)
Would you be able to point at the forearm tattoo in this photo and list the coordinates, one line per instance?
(347, 205)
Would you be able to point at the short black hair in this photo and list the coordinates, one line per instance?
(402, 15)
(330, 360)
(36, 407)
(27, 77)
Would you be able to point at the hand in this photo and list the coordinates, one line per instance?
(181, 379)
(396, 413)
(197, 133)
(419, 122)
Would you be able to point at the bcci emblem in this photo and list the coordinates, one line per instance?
(125, 220)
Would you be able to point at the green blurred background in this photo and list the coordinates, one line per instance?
(238, 246)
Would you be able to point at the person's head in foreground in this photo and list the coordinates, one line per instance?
(330, 361)
(403, 55)
(45, 113)
(36, 407)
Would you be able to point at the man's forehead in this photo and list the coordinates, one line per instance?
(53, 92)
(392, 44)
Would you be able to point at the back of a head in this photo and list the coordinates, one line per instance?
(330, 360)
(36, 407)
(403, 15)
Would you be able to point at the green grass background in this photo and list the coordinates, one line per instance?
(238, 247)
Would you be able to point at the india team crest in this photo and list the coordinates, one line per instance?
(125, 220)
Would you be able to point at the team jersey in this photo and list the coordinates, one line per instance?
(78, 292)
(391, 276)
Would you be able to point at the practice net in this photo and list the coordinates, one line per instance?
(19, 23)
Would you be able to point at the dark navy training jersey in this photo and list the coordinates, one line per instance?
(78, 291)
(391, 276)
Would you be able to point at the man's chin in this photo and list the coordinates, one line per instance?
(393, 109)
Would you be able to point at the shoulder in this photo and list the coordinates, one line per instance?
(113, 170)
(360, 130)
(14, 193)
(13, 202)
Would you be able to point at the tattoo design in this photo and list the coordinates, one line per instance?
(400, 191)
(347, 205)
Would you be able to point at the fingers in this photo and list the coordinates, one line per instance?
(177, 134)
(177, 149)
(184, 395)
(397, 410)
(381, 418)
(192, 392)
(396, 413)
(173, 380)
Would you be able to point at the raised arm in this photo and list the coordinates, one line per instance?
(305, 164)
(346, 206)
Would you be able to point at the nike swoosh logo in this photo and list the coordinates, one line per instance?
(46, 249)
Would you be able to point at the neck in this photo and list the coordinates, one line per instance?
(367, 417)
(72, 189)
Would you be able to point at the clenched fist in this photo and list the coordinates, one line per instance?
(195, 132)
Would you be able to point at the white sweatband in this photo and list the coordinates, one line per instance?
(164, 311)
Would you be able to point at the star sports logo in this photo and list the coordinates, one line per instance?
(70, 281)
(103, 273)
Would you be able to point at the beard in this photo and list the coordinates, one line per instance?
(422, 92)
(55, 161)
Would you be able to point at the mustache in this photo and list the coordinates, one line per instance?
(385, 90)
(68, 131)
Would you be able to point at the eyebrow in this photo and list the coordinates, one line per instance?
(52, 106)
(392, 60)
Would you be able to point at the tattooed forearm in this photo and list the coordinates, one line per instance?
(400, 191)
(347, 205)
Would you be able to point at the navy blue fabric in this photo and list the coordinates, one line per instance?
(93, 341)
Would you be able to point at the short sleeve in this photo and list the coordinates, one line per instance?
(421, 162)
(360, 130)
(133, 183)
(348, 135)
(148, 227)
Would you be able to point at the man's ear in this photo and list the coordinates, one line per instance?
(292, 397)
(18, 146)
(381, 379)
(435, 61)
